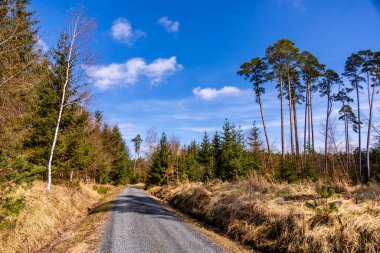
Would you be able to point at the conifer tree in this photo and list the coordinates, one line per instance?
(311, 70)
(114, 144)
(160, 162)
(329, 79)
(205, 151)
(137, 143)
(352, 72)
(20, 71)
(256, 72)
(371, 68)
(277, 67)
(192, 166)
(216, 153)
(343, 97)
(254, 141)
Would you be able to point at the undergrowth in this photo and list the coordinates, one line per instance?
(283, 217)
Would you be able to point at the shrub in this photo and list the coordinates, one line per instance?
(325, 191)
(100, 189)
(12, 205)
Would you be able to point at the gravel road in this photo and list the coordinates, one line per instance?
(140, 224)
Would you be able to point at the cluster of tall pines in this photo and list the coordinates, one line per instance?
(43, 96)
(298, 77)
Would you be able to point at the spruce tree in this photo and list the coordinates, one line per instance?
(120, 171)
(253, 140)
(205, 151)
(216, 153)
(160, 162)
(193, 169)
(206, 158)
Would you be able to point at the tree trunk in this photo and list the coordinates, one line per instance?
(134, 165)
(369, 130)
(346, 139)
(67, 76)
(311, 120)
(296, 126)
(326, 131)
(305, 125)
(264, 126)
(360, 136)
(282, 121)
(308, 126)
(290, 115)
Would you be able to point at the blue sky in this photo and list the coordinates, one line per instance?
(172, 64)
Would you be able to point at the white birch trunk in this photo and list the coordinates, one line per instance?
(62, 105)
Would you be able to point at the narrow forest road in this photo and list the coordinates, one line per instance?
(140, 224)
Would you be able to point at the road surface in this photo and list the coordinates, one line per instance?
(140, 224)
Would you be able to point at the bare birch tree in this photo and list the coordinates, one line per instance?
(77, 28)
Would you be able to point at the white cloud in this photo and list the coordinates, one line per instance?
(128, 73)
(41, 45)
(122, 31)
(212, 93)
(169, 25)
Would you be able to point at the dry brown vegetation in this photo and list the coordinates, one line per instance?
(284, 217)
(46, 216)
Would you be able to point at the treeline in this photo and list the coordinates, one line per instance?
(298, 77)
(42, 107)
(225, 156)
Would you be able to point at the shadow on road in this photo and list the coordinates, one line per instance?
(134, 201)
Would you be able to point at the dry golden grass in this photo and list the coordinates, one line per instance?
(87, 235)
(284, 217)
(45, 216)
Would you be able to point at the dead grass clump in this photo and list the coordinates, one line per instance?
(45, 216)
(302, 217)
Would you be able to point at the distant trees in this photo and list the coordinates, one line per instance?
(226, 157)
(137, 144)
(298, 76)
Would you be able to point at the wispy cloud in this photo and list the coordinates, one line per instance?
(41, 45)
(169, 25)
(129, 72)
(212, 93)
(197, 129)
(122, 31)
(296, 4)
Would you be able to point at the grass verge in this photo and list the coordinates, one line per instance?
(86, 236)
(206, 229)
(268, 216)
(42, 217)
